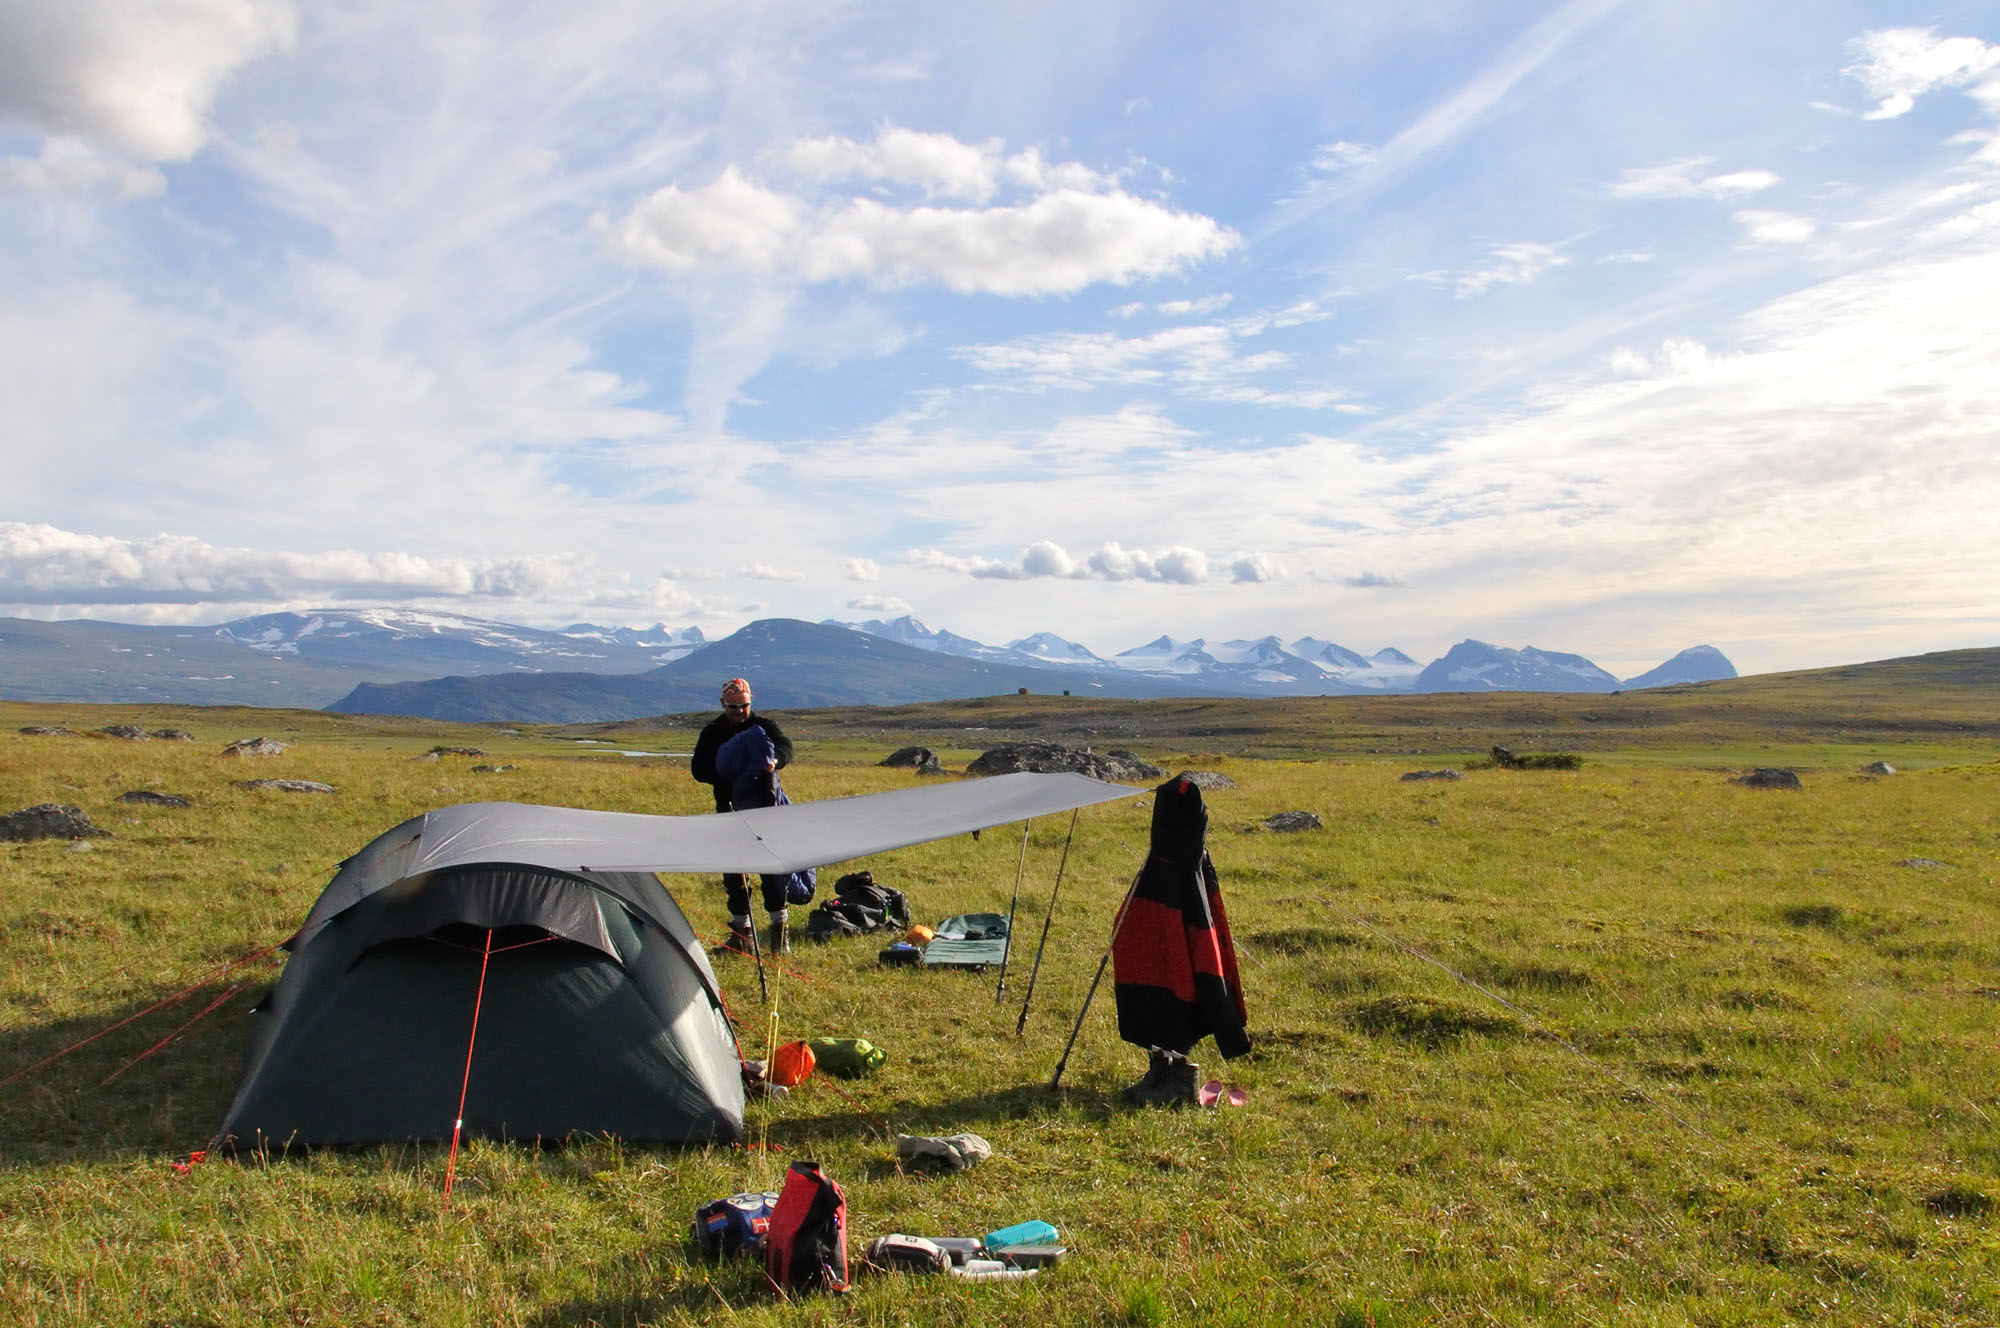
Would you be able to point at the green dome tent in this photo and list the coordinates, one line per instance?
(527, 961)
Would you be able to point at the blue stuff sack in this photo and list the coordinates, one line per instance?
(736, 1225)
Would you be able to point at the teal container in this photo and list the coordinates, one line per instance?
(1021, 1233)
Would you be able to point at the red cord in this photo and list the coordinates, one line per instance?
(201, 1014)
(458, 1125)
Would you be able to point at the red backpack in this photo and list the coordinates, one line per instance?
(806, 1246)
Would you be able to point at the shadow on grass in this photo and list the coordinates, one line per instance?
(131, 1080)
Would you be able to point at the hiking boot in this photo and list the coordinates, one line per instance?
(1169, 1082)
(780, 938)
(742, 941)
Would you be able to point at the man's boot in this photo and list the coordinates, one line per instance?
(742, 940)
(1169, 1081)
(780, 941)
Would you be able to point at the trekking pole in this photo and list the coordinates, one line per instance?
(1007, 947)
(1091, 995)
(1041, 945)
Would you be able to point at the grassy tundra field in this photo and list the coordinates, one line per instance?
(1626, 1044)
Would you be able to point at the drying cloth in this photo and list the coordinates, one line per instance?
(1173, 962)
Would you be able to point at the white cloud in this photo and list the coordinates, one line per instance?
(69, 168)
(1076, 230)
(1514, 265)
(42, 564)
(137, 76)
(863, 569)
(765, 572)
(1898, 65)
(887, 606)
(1775, 229)
(1203, 361)
(1254, 567)
(1109, 562)
(1683, 178)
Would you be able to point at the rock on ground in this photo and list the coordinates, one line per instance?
(173, 735)
(49, 820)
(1769, 778)
(1052, 758)
(48, 731)
(129, 732)
(921, 759)
(286, 785)
(1878, 768)
(1411, 775)
(1208, 781)
(1288, 822)
(154, 799)
(254, 747)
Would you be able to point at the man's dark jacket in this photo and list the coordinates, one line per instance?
(720, 730)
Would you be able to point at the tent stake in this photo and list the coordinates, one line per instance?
(1117, 925)
(1020, 866)
(1041, 945)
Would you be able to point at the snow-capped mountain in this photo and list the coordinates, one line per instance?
(1475, 666)
(406, 639)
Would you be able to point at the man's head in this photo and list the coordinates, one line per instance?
(736, 698)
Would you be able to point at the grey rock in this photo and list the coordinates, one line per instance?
(1051, 758)
(1412, 775)
(1208, 781)
(456, 751)
(48, 731)
(921, 759)
(254, 747)
(286, 785)
(48, 820)
(1878, 768)
(1285, 823)
(129, 732)
(491, 769)
(173, 735)
(1769, 778)
(153, 799)
(1922, 864)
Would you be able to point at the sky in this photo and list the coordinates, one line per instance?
(1604, 326)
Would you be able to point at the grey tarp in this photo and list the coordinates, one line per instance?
(768, 839)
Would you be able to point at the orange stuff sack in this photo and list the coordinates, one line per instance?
(922, 935)
(792, 1064)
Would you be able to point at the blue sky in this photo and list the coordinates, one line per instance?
(1609, 326)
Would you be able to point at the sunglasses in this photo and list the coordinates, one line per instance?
(735, 705)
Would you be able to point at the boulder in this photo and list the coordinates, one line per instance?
(173, 735)
(1286, 823)
(48, 820)
(1922, 864)
(129, 732)
(254, 747)
(456, 751)
(48, 731)
(491, 769)
(286, 785)
(153, 799)
(1769, 778)
(920, 759)
(1412, 775)
(1208, 781)
(1878, 768)
(1052, 758)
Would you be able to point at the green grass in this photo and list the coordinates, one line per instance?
(1626, 1043)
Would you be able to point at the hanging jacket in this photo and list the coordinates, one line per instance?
(1173, 960)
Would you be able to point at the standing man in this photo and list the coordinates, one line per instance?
(734, 719)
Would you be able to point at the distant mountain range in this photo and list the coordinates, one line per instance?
(390, 661)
